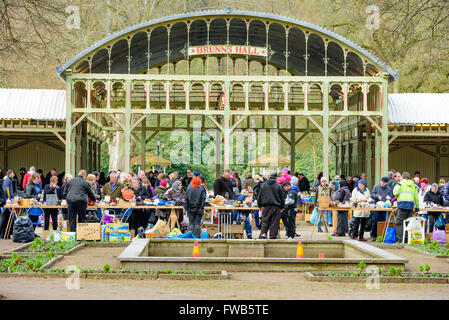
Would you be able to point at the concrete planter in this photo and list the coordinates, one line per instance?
(50, 263)
(209, 275)
(118, 276)
(383, 279)
(426, 253)
(123, 244)
(273, 255)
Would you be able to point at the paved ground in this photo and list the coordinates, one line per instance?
(241, 285)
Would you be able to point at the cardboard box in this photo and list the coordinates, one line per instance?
(119, 237)
(88, 231)
(64, 236)
(447, 227)
(133, 233)
(116, 227)
(64, 225)
(307, 217)
(212, 229)
(156, 233)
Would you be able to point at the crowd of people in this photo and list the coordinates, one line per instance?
(277, 197)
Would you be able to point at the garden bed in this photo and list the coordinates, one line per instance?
(434, 249)
(383, 278)
(121, 274)
(41, 247)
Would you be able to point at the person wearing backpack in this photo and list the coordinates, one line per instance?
(195, 200)
(288, 215)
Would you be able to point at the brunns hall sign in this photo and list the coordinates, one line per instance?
(228, 49)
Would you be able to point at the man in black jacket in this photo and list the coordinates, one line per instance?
(271, 199)
(76, 192)
(187, 179)
(303, 184)
(223, 185)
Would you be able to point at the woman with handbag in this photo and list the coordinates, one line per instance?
(360, 194)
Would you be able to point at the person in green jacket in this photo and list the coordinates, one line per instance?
(407, 193)
(113, 188)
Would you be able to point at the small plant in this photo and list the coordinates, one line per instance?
(399, 272)
(362, 266)
(392, 271)
(329, 238)
(421, 269)
(168, 271)
(330, 274)
(355, 274)
(379, 239)
(379, 270)
(427, 268)
(106, 268)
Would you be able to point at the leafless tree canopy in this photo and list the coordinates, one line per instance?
(412, 34)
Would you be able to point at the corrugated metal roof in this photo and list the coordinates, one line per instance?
(37, 104)
(412, 108)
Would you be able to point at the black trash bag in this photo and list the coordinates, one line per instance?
(23, 230)
(369, 223)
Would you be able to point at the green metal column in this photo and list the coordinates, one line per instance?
(127, 127)
(68, 125)
(292, 144)
(378, 157)
(227, 127)
(326, 129)
(385, 149)
(369, 156)
(143, 138)
(84, 146)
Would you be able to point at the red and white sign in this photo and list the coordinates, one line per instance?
(228, 49)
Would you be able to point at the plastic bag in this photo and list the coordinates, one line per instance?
(439, 236)
(314, 216)
(440, 222)
(390, 236)
(23, 230)
(204, 234)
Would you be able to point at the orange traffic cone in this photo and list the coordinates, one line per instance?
(196, 250)
(321, 256)
(299, 251)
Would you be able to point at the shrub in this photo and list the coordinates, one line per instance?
(106, 268)
(379, 239)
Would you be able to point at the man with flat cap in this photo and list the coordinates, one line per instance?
(271, 199)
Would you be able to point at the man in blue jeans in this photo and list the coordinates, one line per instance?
(381, 192)
(237, 216)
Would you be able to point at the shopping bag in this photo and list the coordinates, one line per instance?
(314, 216)
(440, 222)
(439, 236)
(390, 236)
